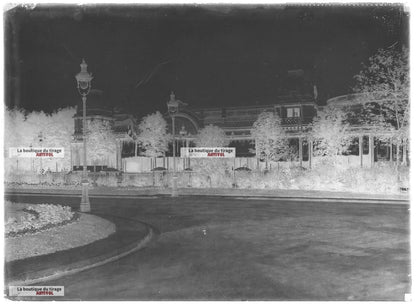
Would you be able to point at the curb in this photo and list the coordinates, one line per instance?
(115, 254)
(331, 199)
(284, 195)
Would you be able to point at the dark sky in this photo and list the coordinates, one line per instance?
(209, 55)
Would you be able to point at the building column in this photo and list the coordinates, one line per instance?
(71, 160)
(119, 147)
(391, 151)
(360, 149)
(404, 162)
(310, 150)
(188, 160)
(300, 150)
(301, 117)
(371, 149)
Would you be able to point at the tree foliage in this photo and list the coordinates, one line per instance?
(384, 82)
(16, 132)
(211, 136)
(329, 132)
(101, 141)
(153, 136)
(38, 129)
(269, 136)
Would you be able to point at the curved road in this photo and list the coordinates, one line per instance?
(213, 248)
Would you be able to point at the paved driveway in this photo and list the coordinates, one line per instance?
(213, 248)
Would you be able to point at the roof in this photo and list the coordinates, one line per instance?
(364, 97)
(284, 100)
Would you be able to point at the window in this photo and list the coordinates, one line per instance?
(293, 112)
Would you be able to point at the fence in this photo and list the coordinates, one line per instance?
(146, 164)
(35, 165)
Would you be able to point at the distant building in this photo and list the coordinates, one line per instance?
(122, 124)
(296, 108)
(296, 112)
(370, 145)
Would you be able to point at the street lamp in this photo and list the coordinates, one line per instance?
(84, 86)
(173, 106)
(40, 137)
(183, 133)
(32, 165)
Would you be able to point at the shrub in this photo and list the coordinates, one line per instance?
(138, 180)
(38, 217)
(106, 180)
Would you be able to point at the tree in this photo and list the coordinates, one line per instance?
(384, 83)
(329, 132)
(38, 129)
(211, 136)
(153, 136)
(101, 141)
(269, 136)
(58, 132)
(14, 130)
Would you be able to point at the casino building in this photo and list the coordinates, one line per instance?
(296, 112)
(296, 107)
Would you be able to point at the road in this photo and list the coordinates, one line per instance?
(213, 248)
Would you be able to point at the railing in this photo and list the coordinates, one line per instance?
(291, 121)
(297, 121)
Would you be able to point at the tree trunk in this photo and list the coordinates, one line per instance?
(397, 153)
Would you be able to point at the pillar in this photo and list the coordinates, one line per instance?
(310, 150)
(301, 117)
(188, 160)
(71, 159)
(391, 151)
(360, 149)
(371, 149)
(300, 151)
(404, 162)
(119, 149)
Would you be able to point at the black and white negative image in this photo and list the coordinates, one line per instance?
(207, 152)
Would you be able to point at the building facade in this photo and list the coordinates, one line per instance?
(296, 112)
(122, 137)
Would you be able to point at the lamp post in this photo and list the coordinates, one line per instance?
(84, 86)
(32, 161)
(183, 133)
(173, 106)
(40, 137)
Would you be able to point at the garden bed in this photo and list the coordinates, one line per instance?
(384, 178)
(33, 230)
(35, 218)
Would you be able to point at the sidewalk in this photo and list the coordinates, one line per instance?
(129, 236)
(225, 192)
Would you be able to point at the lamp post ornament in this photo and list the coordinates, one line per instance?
(173, 106)
(84, 79)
